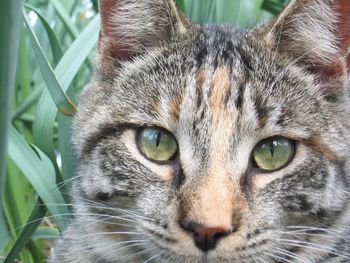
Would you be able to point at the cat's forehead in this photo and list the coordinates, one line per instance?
(218, 68)
(241, 53)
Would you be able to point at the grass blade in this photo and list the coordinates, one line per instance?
(66, 148)
(15, 201)
(79, 50)
(273, 6)
(28, 102)
(23, 70)
(63, 103)
(9, 39)
(180, 4)
(40, 173)
(4, 233)
(65, 71)
(241, 12)
(62, 12)
(28, 230)
(46, 233)
(55, 44)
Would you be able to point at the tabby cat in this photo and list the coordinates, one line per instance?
(213, 143)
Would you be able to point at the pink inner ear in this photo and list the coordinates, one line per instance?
(111, 45)
(343, 32)
(343, 28)
(106, 10)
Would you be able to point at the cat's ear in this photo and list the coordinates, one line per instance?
(128, 27)
(315, 33)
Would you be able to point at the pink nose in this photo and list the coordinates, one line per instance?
(205, 238)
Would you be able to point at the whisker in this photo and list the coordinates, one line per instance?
(81, 214)
(143, 251)
(277, 257)
(109, 233)
(105, 245)
(292, 255)
(316, 247)
(67, 181)
(125, 213)
(261, 259)
(327, 230)
(118, 209)
(301, 234)
(153, 257)
(129, 244)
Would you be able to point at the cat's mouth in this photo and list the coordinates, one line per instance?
(245, 253)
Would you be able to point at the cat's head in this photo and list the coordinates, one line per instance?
(213, 142)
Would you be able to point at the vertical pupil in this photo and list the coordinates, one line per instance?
(158, 137)
(272, 148)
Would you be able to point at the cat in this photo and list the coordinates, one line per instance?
(214, 143)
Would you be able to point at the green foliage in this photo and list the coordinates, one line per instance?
(53, 49)
(9, 38)
(220, 11)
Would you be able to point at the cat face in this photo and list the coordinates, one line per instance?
(213, 143)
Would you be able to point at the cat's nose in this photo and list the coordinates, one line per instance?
(206, 238)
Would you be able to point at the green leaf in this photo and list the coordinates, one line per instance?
(23, 70)
(55, 44)
(241, 12)
(62, 12)
(65, 71)
(26, 233)
(40, 173)
(28, 102)
(15, 204)
(63, 103)
(9, 38)
(181, 4)
(4, 233)
(79, 50)
(46, 233)
(273, 6)
(66, 150)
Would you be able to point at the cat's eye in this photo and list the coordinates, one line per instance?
(273, 153)
(157, 144)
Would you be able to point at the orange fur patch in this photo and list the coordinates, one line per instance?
(221, 86)
(155, 105)
(174, 107)
(218, 202)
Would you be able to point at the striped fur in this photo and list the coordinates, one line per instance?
(219, 90)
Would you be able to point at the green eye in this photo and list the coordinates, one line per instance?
(157, 144)
(273, 153)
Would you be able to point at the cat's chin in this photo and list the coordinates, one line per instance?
(174, 245)
(210, 257)
(221, 254)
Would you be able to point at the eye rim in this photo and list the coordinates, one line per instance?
(171, 160)
(291, 157)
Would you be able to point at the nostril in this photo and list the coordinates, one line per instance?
(206, 238)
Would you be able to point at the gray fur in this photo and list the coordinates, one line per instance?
(128, 209)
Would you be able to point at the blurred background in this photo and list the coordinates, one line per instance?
(53, 43)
